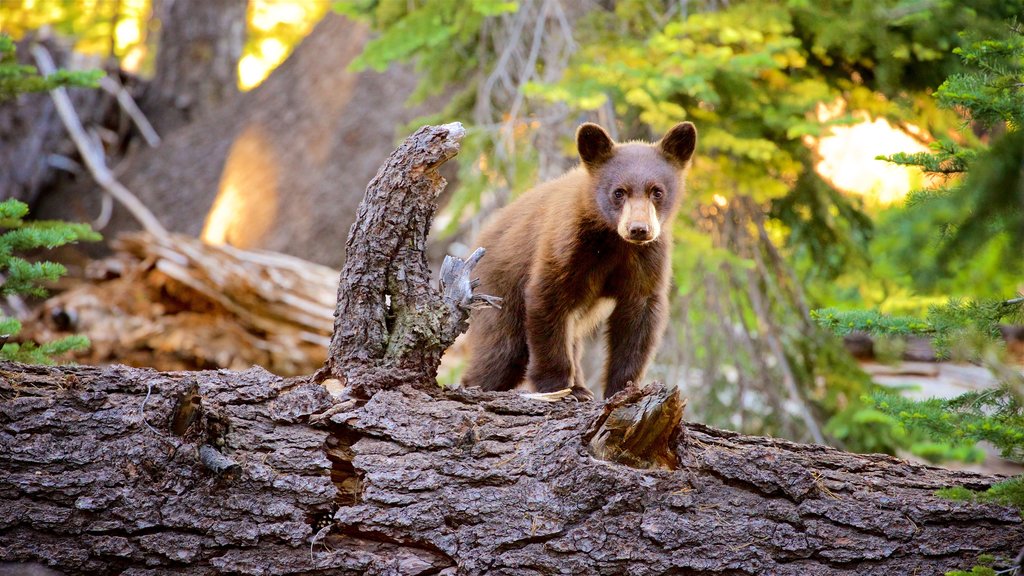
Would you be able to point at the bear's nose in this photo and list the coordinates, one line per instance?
(639, 231)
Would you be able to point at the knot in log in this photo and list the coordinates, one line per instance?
(639, 427)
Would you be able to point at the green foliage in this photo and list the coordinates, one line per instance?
(946, 158)
(18, 78)
(1006, 493)
(887, 429)
(992, 189)
(993, 415)
(979, 218)
(441, 36)
(985, 567)
(992, 88)
(845, 322)
(19, 276)
(946, 325)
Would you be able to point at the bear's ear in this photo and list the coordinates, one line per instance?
(678, 143)
(594, 144)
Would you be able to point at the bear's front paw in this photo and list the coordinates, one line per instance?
(582, 393)
(551, 384)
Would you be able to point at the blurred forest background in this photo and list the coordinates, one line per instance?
(833, 210)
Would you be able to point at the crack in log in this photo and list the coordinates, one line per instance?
(387, 539)
(347, 480)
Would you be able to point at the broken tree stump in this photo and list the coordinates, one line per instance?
(639, 427)
(390, 325)
(130, 471)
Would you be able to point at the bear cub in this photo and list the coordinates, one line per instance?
(594, 244)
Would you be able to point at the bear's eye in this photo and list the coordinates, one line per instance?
(619, 193)
(657, 193)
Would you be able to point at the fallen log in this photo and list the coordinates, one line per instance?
(416, 481)
(131, 471)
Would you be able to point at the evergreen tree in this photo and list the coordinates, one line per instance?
(18, 78)
(979, 210)
(17, 275)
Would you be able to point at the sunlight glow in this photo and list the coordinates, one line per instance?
(848, 157)
(277, 26)
(252, 70)
(127, 34)
(247, 202)
(267, 14)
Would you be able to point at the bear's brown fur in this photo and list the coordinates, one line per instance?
(593, 243)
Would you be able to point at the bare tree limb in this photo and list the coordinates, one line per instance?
(94, 158)
(127, 103)
(391, 325)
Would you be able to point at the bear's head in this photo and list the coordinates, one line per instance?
(636, 185)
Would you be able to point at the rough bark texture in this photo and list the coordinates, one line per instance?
(88, 488)
(197, 61)
(419, 482)
(390, 325)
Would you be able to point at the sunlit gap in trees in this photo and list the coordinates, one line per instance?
(275, 27)
(848, 157)
(247, 199)
(89, 21)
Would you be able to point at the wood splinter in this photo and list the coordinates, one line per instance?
(639, 426)
(218, 463)
(457, 286)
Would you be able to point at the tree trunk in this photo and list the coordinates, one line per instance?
(200, 45)
(128, 471)
(281, 167)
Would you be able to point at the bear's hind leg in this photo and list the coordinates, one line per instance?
(496, 363)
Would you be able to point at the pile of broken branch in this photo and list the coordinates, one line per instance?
(173, 302)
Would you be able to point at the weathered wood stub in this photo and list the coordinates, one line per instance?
(131, 471)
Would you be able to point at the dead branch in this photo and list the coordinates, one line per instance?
(92, 156)
(391, 325)
(127, 103)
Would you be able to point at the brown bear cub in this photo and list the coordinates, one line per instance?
(593, 244)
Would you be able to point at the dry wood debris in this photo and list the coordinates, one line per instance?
(176, 303)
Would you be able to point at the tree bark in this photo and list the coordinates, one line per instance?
(418, 481)
(200, 45)
(390, 325)
(129, 471)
